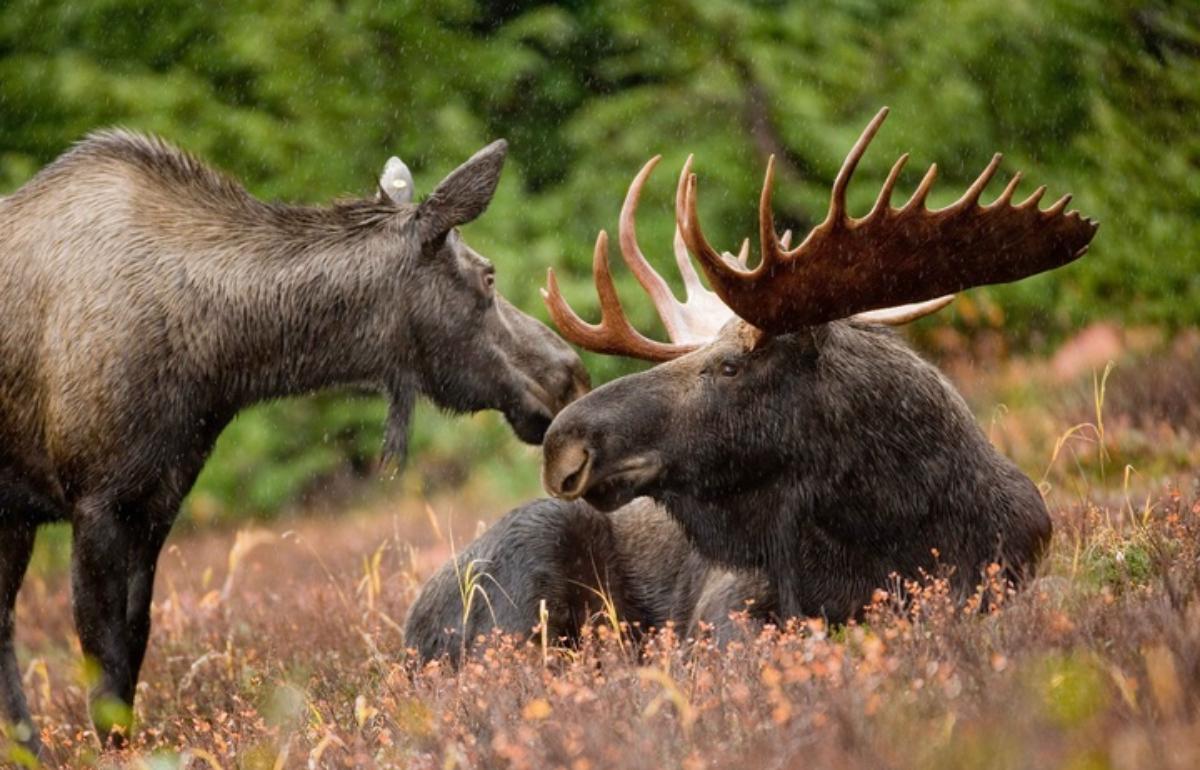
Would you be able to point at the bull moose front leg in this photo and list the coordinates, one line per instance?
(100, 584)
(16, 545)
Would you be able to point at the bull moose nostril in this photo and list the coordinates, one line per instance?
(574, 482)
(566, 476)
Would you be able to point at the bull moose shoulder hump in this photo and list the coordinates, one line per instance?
(146, 298)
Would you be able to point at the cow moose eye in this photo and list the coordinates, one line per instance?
(729, 369)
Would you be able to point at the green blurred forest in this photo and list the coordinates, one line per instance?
(304, 100)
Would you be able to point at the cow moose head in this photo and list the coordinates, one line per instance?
(471, 349)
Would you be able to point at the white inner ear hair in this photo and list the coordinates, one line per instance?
(396, 181)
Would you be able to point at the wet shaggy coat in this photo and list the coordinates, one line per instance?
(802, 471)
(145, 299)
(572, 557)
(832, 459)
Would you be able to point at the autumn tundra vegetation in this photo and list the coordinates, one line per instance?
(279, 645)
(277, 621)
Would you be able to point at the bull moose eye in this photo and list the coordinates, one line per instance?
(729, 369)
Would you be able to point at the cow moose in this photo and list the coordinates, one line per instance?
(791, 451)
(147, 298)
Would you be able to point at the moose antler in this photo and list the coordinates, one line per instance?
(835, 272)
(614, 334)
(907, 255)
(689, 324)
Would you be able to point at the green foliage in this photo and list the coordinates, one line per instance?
(271, 455)
(305, 100)
(1125, 565)
(52, 556)
(1072, 688)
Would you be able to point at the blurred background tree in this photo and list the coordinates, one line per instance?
(303, 100)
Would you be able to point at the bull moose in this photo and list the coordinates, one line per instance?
(147, 298)
(791, 450)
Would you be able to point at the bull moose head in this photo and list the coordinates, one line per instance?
(788, 430)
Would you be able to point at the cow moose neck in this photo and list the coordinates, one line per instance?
(299, 300)
(241, 300)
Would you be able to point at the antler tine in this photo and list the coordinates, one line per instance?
(971, 196)
(903, 314)
(1058, 207)
(704, 312)
(917, 201)
(668, 307)
(1032, 201)
(691, 280)
(773, 247)
(713, 264)
(837, 199)
(768, 240)
(614, 334)
(1006, 196)
(580, 332)
(884, 201)
(568, 322)
(741, 258)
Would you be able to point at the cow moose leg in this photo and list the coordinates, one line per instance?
(16, 545)
(143, 561)
(99, 582)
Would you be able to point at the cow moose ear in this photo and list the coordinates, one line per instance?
(464, 194)
(396, 182)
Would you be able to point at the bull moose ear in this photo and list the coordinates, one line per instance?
(396, 181)
(464, 194)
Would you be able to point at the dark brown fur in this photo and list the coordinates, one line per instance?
(573, 557)
(801, 472)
